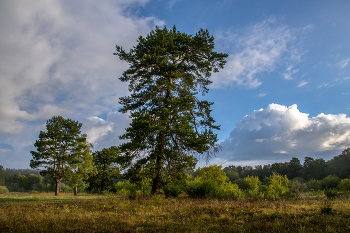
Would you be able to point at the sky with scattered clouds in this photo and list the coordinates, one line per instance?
(283, 93)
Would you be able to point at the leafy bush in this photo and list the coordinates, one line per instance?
(202, 189)
(175, 183)
(314, 185)
(277, 186)
(297, 186)
(344, 185)
(3, 189)
(172, 190)
(330, 182)
(65, 188)
(250, 185)
(212, 182)
(213, 173)
(331, 194)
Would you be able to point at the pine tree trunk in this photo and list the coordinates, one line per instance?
(156, 180)
(76, 191)
(57, 188)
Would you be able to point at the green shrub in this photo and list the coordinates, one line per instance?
(297, 186)
(228, 191)
(65, 188)
(344, 185)
(172, 190)
(330, 182)
(314, 185)
(331, 194)
(213, 173)
(212, 182)
(242, 184)
(250, 185)
(3, 189)
(202, 189)
(277, 186)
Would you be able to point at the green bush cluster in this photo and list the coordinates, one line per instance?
(212, 182)
(3, 189)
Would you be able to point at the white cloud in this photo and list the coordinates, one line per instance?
(279, 133)
(302, 83)
(323, 85)
(344, 63)
(56, 58)
(288, 75)
(260, 49)
(262, 94)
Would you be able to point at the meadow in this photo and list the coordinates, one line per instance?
(44, 212)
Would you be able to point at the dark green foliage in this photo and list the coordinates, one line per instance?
(294, 168)
(107, 166)
(344, 185)
(170, 124)
(330, 182)
(13, 171)
(280, 168)
(314, 169)
(23, 183)
(243, 184)
(340, 165)
(203, 189)
(174, 182)
(331, 193)
(58, 148)
(2, 175)
(231, 173)
(314, 185)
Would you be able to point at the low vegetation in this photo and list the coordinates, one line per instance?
(119, 213)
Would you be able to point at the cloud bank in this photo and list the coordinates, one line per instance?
(56, 58)
(278, 133)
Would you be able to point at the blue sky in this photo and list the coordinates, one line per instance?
(283, 93)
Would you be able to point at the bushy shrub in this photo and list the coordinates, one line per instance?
(297, 186)
(344, 185)
(175, 183)
(277, 186)
(250, 185)
(330, 182)
(213, 173)
(202, 189)
(65, 188)
(212, 182)
(3, 189)
(314, 185)
(229, 191)
(172, 190)
(243, 184)
(331, 194)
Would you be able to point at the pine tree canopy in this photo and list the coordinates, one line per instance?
(59, 148)
(170, 124)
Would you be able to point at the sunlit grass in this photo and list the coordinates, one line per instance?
(116, 213)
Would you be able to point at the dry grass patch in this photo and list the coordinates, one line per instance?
(92, 213)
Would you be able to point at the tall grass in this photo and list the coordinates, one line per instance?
(117, 213)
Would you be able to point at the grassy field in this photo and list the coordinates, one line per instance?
(116, 213)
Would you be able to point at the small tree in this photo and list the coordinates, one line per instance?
(81, 166)
(58, 148)
(169, 122)
(277, 186)
(107, 166)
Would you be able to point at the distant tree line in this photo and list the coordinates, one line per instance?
(316, 169)
(276, 180)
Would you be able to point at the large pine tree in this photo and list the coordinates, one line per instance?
(170, 124)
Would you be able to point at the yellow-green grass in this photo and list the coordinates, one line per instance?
(116, 213)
